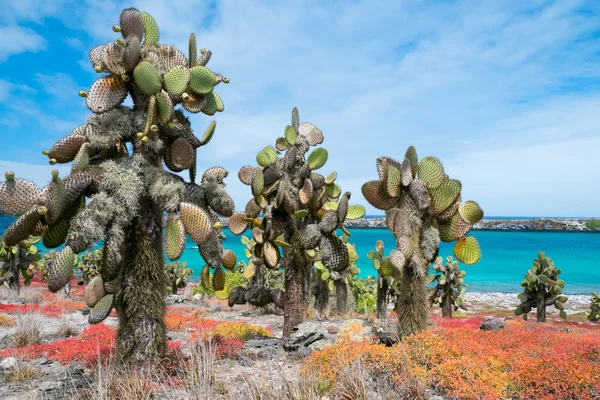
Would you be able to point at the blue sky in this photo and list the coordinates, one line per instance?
(505, 93)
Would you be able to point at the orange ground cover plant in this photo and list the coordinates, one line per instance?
(521, 361)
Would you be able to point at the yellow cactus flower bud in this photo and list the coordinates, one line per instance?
(82, 93)
(99, 68)
(116, 28)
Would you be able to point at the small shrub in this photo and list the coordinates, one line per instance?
(240, 330)
(6, 321)
(22, 372)
(28, 332)
(592, 224)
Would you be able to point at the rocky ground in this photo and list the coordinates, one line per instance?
(262, 361)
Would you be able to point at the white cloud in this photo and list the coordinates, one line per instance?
(61, 86)
(37, 173)
(17, 39)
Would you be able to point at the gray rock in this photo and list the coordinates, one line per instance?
(8, 363)
(48, 386)
(304, 335)
(492, 324)
(320, 345)
(262, 348)
(176, 299)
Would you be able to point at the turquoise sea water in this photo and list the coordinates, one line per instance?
(506, 256)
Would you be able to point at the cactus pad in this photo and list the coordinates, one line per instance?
(376, 197)
(56, 235)
(164, 104)
(66, 149)
(317, 158)
(411, 155)
(205, 277)
(237, 225)
(202, 80)
(151, 31)
(271, 254)
(419, 193)
(392, 181)
(444, 195)
(290, 135)
(17, 196)
(219, 279)
(258, 183)
(355, 211)
(131, 23)
(174, 238)
(467, 251)
(147, 78)
(60, 268)
(431, 172)
(213, 104)
(195, 104)
(453, 228)
(306, 191)
(102, 309)
(311, 133)
(471, 212)
(24, 226)
(180, 155)
(229, 260)
(105, 94)
(94, 291)
(177, 80)
(334, 253)
(196, 221)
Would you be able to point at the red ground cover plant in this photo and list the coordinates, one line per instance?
(521, 361)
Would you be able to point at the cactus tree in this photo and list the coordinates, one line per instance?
(449, 288)
(118, 190)
(17, 260)
(542, 288)
(300, 212)
(423, 206)
(594, 313)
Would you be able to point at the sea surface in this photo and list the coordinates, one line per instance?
(506, 256)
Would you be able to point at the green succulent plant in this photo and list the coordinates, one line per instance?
(542, 288)
(300, 211)
(177, 276)
(450, 286)
(18, 260)
(385, 280)
(594, 313)
(364, 294)
(423, 206)
(118, 189)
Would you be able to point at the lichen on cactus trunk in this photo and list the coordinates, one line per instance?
(142, 334)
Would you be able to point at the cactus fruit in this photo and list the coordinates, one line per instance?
(293, 214)
(449, 288)
(542, 288)
(594, 313)
(119, 196)
(423, 206)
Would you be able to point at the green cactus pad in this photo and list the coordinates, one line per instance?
(290, 135)
(17, 196)
(431, 172)
(56, 235)
(151, 32)
(219, 279)
(174, 237)
(164, 105)
(131, 23)
(386, 267)
(258, 182)
(355, 211)
(213, 104)
(317, 158)
(393, 179)
(208, 134)
(271, 254)
(177, 80)
(444, 195)
(453, 228)
(411, 155)
(249, 271)
(467, 251)
(281, 144)
(196, 221)
(102, 309)
(263, 159)
(205, 277)
(236, 224)
(450, 211)
(374, 194)
(66, 149)
(333, 190)
(94, 291)
(106, 93)
(229, 260)
(22, 228)
(60, 268)
(147, 78)
(202, 80)
(471, 212)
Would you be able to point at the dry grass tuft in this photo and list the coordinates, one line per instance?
(27, 332)
(6, 321)
(22, 372)
(66, 330)
(26, 294)
(306, 388)
(352, 383)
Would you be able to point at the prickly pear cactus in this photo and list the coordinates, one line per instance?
(118, 189)
(423, 206)
(450, 286)
(385, 279)
(300, 211)
(177, 276)
(19, 260)
(542, 288)
(594, 313)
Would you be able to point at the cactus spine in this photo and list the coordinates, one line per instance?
(118, 158)
(449, 288)
(423, 206)
(542, 288)
(301, 209)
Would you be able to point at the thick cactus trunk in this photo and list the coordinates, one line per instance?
(14, 282)
(540, 312)
(142, 335)
(411, 302)
(321, 298)
(297, 277)
(447, 305)
(341, 297)
(382, 298)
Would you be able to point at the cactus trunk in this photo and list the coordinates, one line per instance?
(142, 335)
(447, 305)
(14, 282)
(411, 305)
(382, 298)
(321, 298)
(296, 290)
(341, 297)
(540, 312)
